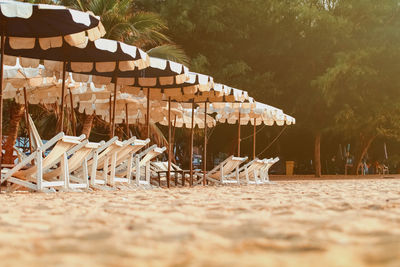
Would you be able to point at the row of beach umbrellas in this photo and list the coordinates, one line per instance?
(52, 53)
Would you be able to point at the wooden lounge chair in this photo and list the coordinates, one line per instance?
(251, 172)
(227, 172)
(96, 159)
(142, 161)
(32, 176)
(268, 163)
(160, 169)
(76, 168)
(121, 165)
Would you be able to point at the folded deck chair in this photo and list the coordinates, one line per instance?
(268, 163)
(142, 161)
(227, 172)
(160, 168)
(33, 175)
(76, 168)
(121, 165)
(105, 160)
(251, 171)
(96, 159)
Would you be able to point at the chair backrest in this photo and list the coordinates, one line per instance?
(64, 143)
(256, 164)
(35, 137)
(159, 166)
(131, 148)
(231, 163)
(151, 154)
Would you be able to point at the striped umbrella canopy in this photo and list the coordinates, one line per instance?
(199, 88)
(184, 120)
(252, 111)
(52, 26)
(104, 58)
(23, 24)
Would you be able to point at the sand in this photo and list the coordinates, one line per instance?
(298, 223)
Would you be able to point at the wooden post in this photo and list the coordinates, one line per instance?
(28, 126)
(110, 112)
(191, 145)
(254, 138)
(73, 115)
(205, 145)
(173, 145)
(238, 151)
(127, 121)
(114, 103)
(169, 141)
(173, 133)
(62, 97)
(1, 96)
(148, 114)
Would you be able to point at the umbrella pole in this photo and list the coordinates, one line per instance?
(173, 145)
(191, 146)
(114, 109)
(28, 126)
(148, 114)
(127, 121)
(254, 139)
(62, 97)
(205, 145)
(114, 102)
(1, 98)
(73, 114)
(110, 112)
(169, 141)
(238, 152)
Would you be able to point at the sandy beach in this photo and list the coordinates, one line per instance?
(289, 223)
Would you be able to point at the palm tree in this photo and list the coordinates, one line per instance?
(124, 23)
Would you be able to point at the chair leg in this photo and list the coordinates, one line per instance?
(39, 161)
(94, 169)
(85, 173)
(113, 167)
(64, 170)
(129, 171)
(105, 170)
(137, 170)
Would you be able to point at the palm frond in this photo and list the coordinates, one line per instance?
(170, 52)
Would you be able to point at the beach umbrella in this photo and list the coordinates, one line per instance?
(254, 112)
(160, 72)
(101, 61)
(16, 79)
(178, 90)
(23, 24)
(230, 96)
(198, 88)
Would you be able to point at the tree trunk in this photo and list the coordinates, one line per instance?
(317, 154)
(362, 149)
(16, 113)
(87, 124)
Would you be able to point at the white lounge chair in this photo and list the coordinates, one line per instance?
(227, 172)
(121, 166)
(76, 169)
(268, 163)
(251, 172)
(32, 176)
(160, 169)
(142, 161)
(96, 160)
